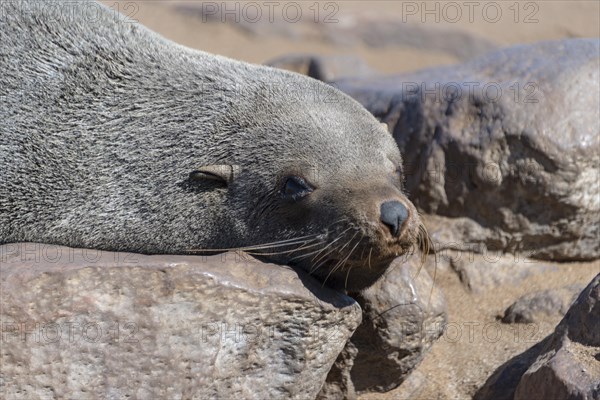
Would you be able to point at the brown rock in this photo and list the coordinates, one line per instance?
(569, 366)
(480, 272)
(503, 149)
(565, 365)
(403, 314)
(81, 323)
(535, 306)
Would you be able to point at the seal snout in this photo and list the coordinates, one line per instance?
(393, 215)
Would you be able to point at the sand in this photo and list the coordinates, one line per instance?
(536, 21)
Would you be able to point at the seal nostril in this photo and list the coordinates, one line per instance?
(393, 214)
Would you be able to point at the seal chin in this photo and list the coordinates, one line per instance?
(355, 276)
(351, 275)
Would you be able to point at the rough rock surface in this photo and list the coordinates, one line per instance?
(323, 68)
(87, 324)
(537, 305)
(481, 271)
(503, 149)
(569, 367)
(565, 365)
(403, 314)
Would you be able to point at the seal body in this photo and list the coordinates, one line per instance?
(115, 138)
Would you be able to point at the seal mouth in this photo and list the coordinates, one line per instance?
(353, 262)
(346, 255)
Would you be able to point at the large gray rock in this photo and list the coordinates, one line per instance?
(84, 324)
(503, 149)
(565, 365)
(403, 314)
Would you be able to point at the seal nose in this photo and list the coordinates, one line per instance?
(393, 214)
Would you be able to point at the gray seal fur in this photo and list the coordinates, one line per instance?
(103, 124)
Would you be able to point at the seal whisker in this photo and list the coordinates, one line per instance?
(330, 244)
(346, 259)
(317, 266)
(280, 243)
(347, 275)
(348, 242)
(362, 257)
(292, 250)
(425, 245)
(257, 249)
(341, 262)
(324, 257)
(362, 252)
(319, 253)
(315, 252)
(283, 242)
(339, 265)
(305, 237)
(345, 219)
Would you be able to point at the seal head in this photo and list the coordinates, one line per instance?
(114, 138)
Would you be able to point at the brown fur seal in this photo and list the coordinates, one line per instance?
(115, 138)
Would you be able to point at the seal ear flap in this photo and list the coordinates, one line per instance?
(386, 127)
(223, 173)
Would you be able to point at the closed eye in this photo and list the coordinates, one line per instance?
(295, 188)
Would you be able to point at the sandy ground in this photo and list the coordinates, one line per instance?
(493, 21)
(462, 360)
(476, 342)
